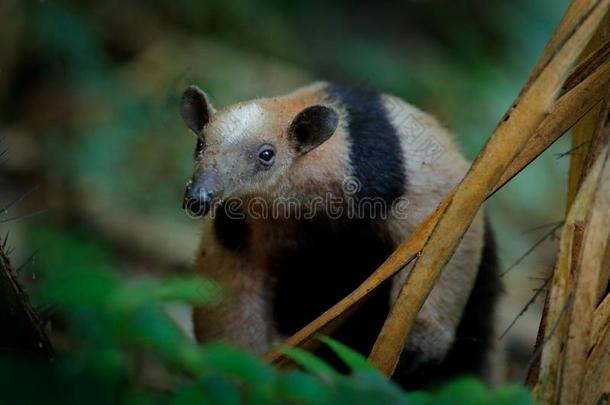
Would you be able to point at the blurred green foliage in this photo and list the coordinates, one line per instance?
(117, 328)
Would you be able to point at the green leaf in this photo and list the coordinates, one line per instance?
(210, 390)
(309, 362)
(151, 291)
(298, 387)
(196, 290)
(512, 394)
(349, 356)
(419, 397)
(231, 361)
(466, 391)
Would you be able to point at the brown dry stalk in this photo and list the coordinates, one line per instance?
(596, 244)
(597, 370)
(601, 318)
(509, 138)
(586, 144)
(547, 387)
(599, 334)
(596, 58)
(585, 129)
(592, 132)
(571, 18)
(566, 111)
(589, 267)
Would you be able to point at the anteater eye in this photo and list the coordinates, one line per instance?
(266, 155)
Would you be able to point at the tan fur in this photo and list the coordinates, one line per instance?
(430, 179)
(244, 315)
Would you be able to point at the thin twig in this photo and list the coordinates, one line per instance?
(27, 261)
(18, 217)
(571, 151)
(5, 209)
(538, 351)
(537, 228)
(5, 240)
(547, 235)
(526, 307)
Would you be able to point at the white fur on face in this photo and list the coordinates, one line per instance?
(239, 122)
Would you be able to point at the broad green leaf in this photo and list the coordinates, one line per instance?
(309, 362)
(512, 394)
(352, 358)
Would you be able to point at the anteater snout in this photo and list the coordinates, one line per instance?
(197, 199)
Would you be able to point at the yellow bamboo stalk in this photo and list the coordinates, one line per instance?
(508, 140)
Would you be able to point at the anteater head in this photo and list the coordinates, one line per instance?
(246, 149)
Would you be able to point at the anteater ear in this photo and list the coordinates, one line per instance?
(195, 109)
(311, 127)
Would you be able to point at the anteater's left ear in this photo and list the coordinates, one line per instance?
(195, 109)
(311, 127)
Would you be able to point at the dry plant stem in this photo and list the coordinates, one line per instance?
(575, 12)
(597, 370)
(588, 267)
(601, 317)
(567, 110)
(588, 136)
(585, 129)
(593, 60)
(507, 141)
(600, 138)
(547, 387)
(599, 331)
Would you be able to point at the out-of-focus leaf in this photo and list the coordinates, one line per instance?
(237, 363)
(512, 395)
(220, 390)
(310, 362)
(302, 388)
(145, 291)
(466, 391)
(352, 358)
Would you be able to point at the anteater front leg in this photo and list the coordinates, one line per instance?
(242, 315)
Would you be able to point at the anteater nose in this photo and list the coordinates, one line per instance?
(197, 200)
